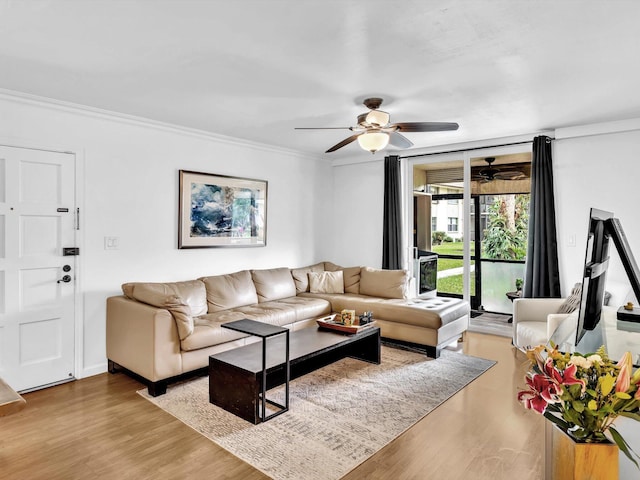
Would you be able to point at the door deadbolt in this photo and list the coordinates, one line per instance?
(66, 268)
(65, 279)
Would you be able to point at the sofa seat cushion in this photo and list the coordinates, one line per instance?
(432, 313)
(207, 330)
(273, 313)
(229, 291)
(306, 307)
(273, 284)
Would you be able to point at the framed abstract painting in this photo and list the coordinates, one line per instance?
(221, 211)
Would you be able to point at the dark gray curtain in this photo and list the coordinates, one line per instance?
(542, 275)
(392, 228)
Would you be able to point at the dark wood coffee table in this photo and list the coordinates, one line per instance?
(235, 376)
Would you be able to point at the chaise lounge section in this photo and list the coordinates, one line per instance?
(163, 331)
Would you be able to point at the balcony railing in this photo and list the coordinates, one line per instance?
(498, 277)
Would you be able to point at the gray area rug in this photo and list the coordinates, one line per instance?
(339, 415)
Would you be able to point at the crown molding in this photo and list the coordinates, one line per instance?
(79, 109)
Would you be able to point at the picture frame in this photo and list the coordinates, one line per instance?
(221, 211)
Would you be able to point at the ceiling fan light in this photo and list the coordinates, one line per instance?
(373, 141)
(377, 118)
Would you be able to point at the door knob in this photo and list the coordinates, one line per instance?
(65, 279)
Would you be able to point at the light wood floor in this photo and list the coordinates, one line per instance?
(99, 428)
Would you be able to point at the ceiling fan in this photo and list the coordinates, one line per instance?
(500, 172)
(374, 132)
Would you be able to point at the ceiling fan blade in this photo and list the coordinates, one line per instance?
(425, 126)
(322, 128)
(344, 142)
(399, 140)
(510, 175)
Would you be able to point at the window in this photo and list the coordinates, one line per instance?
(452, 224)
(434, 224)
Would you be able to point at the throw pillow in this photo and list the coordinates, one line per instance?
(573, 300)
(301, 278)
(326, 282)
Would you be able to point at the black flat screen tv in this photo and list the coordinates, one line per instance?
(603, 227)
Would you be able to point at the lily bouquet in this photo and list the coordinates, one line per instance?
(583, 394)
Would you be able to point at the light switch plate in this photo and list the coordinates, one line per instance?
(111, 243)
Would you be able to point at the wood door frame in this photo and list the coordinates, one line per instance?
(79, 369)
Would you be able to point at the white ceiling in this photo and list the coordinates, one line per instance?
(255, 69)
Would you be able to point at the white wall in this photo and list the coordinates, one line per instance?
(602, 171)
(358, 202)
(130, 186)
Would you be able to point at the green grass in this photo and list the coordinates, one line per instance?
(453, 284)
(447, 263)
(449, 248)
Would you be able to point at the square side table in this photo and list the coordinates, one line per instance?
(264, 331)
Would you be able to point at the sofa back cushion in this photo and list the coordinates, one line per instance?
(273, 284)
(182, 299)
(384, 283)
(351, 277)
(230, 291)
(301, 276)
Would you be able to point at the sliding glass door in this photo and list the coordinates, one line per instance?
(472, 211)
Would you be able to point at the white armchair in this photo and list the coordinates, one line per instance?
(535, 320)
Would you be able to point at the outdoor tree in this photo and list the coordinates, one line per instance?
(438, 237)
(506, 235)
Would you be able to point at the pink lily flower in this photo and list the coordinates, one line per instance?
(624, 379)
(567, 377)
(541, 392)
(624, 375)
(626, 360)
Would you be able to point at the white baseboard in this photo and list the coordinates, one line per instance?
(93, 370)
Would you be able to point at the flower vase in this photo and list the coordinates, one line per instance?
(574, 460)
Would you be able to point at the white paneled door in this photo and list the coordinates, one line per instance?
(37, 280)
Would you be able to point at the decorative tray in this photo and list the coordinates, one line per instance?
(330, 324)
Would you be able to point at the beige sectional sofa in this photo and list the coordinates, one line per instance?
(161, 331)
